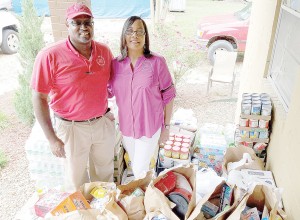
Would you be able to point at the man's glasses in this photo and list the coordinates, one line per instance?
(79, 23)
(138, 32)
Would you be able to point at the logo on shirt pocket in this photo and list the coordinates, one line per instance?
(100, 60)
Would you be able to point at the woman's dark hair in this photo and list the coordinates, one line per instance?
(123, 48)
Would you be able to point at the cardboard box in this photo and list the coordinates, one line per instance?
(118, 170)
(261, 176)
(175, 129)
(118, 178)
(118, 143)
(49, 201)
(75, 201)
(118, 158)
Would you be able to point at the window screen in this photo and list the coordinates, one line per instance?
(285, 61)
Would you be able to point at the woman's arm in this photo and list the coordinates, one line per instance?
(164, 136)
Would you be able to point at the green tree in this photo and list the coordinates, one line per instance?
(181, 53)
(31, 42)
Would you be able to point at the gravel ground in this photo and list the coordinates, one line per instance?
(15, 184)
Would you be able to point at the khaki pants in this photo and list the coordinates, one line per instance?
(85, 142)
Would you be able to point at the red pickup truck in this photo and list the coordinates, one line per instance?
(224, 32)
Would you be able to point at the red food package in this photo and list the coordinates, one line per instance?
(167, 183)
(49, 201)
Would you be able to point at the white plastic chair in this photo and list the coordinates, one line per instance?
(223, 69)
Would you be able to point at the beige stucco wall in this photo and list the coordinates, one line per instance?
(284, 147)
(58, 16)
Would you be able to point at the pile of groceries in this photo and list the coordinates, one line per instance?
(199, 173)
(254, 122)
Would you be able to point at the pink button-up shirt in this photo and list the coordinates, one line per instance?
(142, 94)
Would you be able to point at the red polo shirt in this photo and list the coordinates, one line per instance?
(77, 86)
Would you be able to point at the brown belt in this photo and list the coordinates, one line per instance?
(89, 120)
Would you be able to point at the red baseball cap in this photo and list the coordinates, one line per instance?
(78, 9)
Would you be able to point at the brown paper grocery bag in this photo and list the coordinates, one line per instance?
(271, 203)
(92, 214)
(156, 201)
(238, 195)
(235, 154)
(131, 204)
(89, 214)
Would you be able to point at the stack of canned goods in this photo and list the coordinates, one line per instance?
(256, 112)
(256, 104)
(178, 146)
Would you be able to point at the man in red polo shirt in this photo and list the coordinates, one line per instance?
(70, 77)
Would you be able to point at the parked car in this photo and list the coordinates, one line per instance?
(9, 39)
(224, 32)
(5, 5)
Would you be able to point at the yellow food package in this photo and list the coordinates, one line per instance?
(152, 163)
(98, 192)
(75, 201)
(128, 162)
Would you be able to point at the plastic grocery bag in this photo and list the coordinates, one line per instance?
(235, 155)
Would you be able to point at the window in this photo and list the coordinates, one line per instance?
(285, 60)
(293, 4)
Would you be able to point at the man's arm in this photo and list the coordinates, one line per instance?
(42, 113)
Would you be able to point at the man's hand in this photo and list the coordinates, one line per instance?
(110, 116)
(164, 135)
(58, 148)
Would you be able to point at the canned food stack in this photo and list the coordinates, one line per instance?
(254, 122)
(256, 104)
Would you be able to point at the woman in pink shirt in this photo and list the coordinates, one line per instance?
(144, 91)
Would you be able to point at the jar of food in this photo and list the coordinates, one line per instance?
(175, 152)
(177, 144)
(171, 138)
(186, 140)
(171, 134)
(169, 143)
(168, 151)
(184, 153)
(178, 139)
(186, 145)
(178, 135)
(186, 137)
